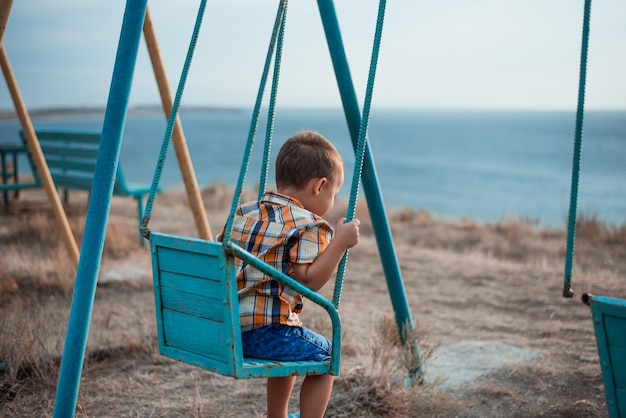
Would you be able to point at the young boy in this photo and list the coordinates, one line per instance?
(286, 230)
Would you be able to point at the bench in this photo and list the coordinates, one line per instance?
(71, 157)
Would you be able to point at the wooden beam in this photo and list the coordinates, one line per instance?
(38, 158)
(5, 10)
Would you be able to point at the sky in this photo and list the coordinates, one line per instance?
(480, 54)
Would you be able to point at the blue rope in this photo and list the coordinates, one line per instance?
(172, 120)
(571, 222)
(361, 146)
(280, 16)
(269, 131)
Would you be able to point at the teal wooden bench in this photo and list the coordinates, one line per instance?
(71, 157)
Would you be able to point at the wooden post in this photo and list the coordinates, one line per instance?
(38, 158)
(178, 136)
(5, 10)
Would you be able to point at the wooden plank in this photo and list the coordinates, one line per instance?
(190, 263)
(266, 368)
(72, 182)
(71, 136)
(64, 150)
(618, 365)
(196, 335)
(615, 330)
(191, 284)
(187, 244)
(18, 186)
(195, 304)
(621, 401)
(83, 167)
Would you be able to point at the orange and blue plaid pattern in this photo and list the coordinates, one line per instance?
(279, 231)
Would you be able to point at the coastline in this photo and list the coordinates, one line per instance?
(9, 115)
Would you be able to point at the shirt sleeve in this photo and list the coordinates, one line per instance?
(313, 240)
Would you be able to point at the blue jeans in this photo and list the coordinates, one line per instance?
(285, 343)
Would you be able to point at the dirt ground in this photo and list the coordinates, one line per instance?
(496, 285)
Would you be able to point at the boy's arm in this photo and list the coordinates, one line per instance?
(315, 275)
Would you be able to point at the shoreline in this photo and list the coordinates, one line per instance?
(9, 115)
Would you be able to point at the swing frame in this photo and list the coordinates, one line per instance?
(96, 221)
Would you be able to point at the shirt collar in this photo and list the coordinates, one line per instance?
(281, 199)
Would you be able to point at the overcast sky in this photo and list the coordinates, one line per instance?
(434, 54)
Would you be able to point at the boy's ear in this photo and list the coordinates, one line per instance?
(318, 184)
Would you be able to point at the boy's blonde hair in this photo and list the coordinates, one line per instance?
(305, 156)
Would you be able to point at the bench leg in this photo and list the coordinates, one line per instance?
(140, 209)
(5, 178)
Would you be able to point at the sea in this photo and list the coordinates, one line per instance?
(483, 165)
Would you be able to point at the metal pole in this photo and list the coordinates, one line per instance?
(371, 187)
(98, 211)
(178, 136)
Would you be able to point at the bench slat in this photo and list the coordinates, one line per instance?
(79, 167)
(74, 137)
(66, 181)
(59, 150)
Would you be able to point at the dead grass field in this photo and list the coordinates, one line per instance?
(464, 282)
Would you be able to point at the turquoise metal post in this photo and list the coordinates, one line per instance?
(98, 211)
(369, 177)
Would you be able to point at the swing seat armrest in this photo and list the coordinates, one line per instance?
(312, 295)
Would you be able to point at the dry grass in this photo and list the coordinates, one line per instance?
(518, 240)
(390, 385)
(37, 274)
(122, 362)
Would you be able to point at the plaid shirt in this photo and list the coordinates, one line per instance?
(279, 231)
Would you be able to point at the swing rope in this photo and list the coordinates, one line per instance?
(145, 230)
(176, 105)
(361, 146)
(276, 33)
(571, 228)
(269, 131)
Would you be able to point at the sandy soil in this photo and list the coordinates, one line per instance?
(483, 293)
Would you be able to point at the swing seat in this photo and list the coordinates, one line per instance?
(197, 309)
(609, 321)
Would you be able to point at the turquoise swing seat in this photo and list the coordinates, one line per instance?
(609, 321)
(197, 309)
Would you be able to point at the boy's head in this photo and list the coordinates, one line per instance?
(309, 168)
(307, 155)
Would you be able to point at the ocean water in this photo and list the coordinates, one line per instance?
(484, 165)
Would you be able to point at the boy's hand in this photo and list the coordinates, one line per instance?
(347, 234)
